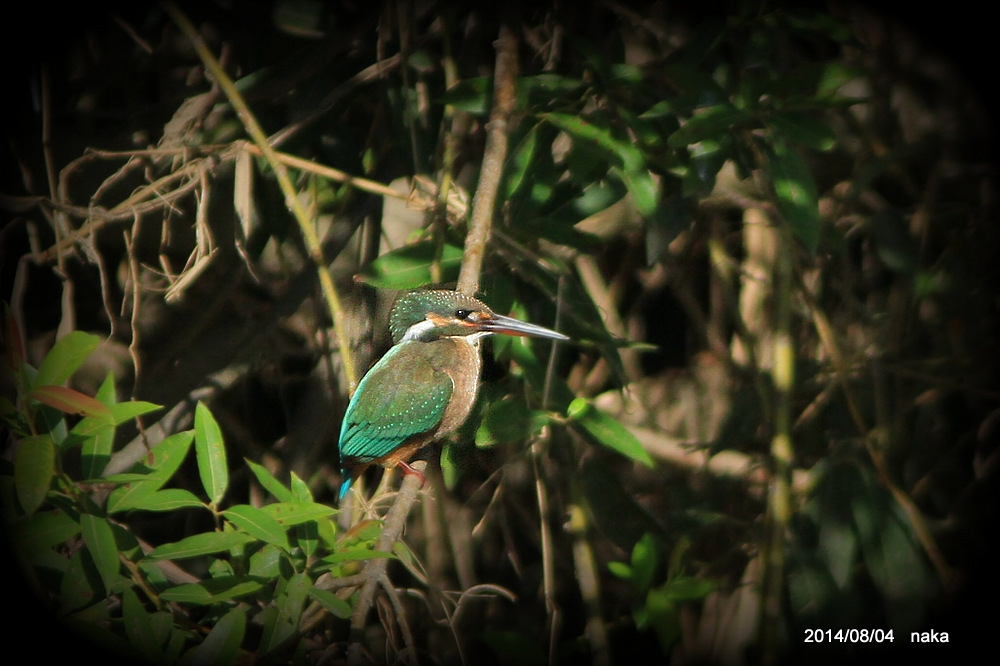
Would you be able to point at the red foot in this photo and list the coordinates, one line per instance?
(415, 472)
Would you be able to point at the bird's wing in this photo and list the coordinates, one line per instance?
(389, 408)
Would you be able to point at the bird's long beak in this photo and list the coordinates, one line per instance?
(510, 326)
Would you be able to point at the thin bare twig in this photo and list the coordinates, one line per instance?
(292, 200)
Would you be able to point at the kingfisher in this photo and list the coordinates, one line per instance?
(426, 384)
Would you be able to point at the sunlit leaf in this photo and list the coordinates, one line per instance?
(296, 513)
(98, 435)
(71, 401)
(607, 431)
(270, 484)
(211, 454)
(129, 410)
(199, 544)
(644, 562)
(409, 267)
(66, 356)
(144, 497)
(258, 523)
(300, 489)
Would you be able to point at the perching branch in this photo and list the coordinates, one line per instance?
(504, 98)
(484, 201)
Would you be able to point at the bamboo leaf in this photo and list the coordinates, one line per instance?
(211, 453)
(410, 266)
(607, 431)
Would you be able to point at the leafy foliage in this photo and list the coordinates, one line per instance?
(769, 233)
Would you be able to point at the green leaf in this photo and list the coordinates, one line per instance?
(100, 540)
(300, 489)
(141, 499)
(834, 76)
(294, 597)
(358, 554)
(520, 161)
(626, 156)
(642, 188)
(44, 530)
(78, 589)
(296, 513)
(711, 123)
(620, 570)
(34, 468)
(211, 453)
(644, 562)
(688, 588)
(122, 412)
(469, 95)
(95, 451)
(607, 431)
(890, 551)
(331, 602)
(66, 356)
(663, 616)
(796, 193)
(222, 644)
(258, 523)
(70, 401)
(409, 267)
(270, 484)
(806, 129)
(138, 627)
(169, 455)
(509, 420)
(207, 543)
(213, 590)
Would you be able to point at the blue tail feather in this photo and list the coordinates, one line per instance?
(345, 485)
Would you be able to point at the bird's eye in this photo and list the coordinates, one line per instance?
(462, 314)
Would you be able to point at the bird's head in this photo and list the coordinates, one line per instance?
(434, 314)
